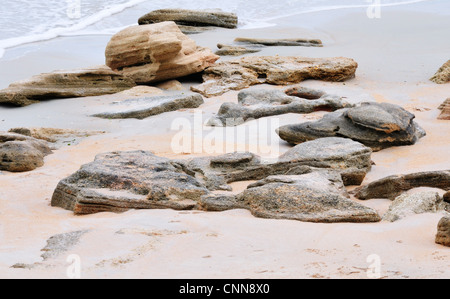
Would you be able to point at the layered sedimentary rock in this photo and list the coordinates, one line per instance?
(192, 18)
(445, 108)
(443, 234)
(314, 197)
(255, 104)
(120, 181)
(277, 70)
(65, 84)
(144, 107)
(19, 153)
(411, 204)
(295, 42)
(231, 50)
(157, 52)
(393, 186)
(443, 74)
(378, 125)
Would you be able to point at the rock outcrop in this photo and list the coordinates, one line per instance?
(277, 70)
(119, 181)
(313, 197)
(445, 108)
(255, 104)
(157, 52)
(191, 18)
(230, 50)
(19, 153)
(411, 204)
(443, 234)
(94, 81)
(378, 125)
(144, 107)
(295, 42)
(393, 186)
(442, 75)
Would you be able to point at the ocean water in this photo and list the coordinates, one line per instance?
(28, 21)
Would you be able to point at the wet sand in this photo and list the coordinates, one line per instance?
(396, 55)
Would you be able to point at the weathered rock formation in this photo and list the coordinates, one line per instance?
(378, 125)
(296, 42)
(443, 234)
(442, 75)
(230, 50)
(277, 70)
(119, 181)
(19, 153)
(411, 204)
(191, 18)
(445, 108)
(144, 107)
(157, 52)
(393, 186)
(255, 104)
(65, 84)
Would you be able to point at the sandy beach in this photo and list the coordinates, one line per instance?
(396, 55)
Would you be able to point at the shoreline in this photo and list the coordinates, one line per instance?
(394, 66)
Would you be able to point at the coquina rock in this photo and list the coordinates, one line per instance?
(193, 18)
(443, 74)
(277, 70)
(393, 186)
(231, 50)
(445, 108)
(19, 153)
(157, 52)
(296, 42)
(313, 197)
(377, 125)
(411, 204)
(255, 104)
(443, 234)
(119, 181)
(65, 84)
(144, 107)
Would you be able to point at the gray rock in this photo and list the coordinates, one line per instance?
(352, 159)
(277, 70)
(19, 153)
(231, 50)
(442, 76)
(443, 234)
(411, 204)
(65, 84)
(314, 197)
(393, 186)
(144, 107)
(61, 243)
(376, 125)
(196, 18)
(255, 104)
(119, 181)
(296, 42)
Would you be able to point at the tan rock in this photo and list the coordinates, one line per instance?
(156, 52)
(171, 85)
(442, 75)
(142, 90)
(93, 81)
(443, 235)
(445, 107)
(277, 70)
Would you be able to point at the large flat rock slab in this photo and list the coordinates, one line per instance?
(145, 107)
(377, 125)
(93, 81)
(277, 70)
